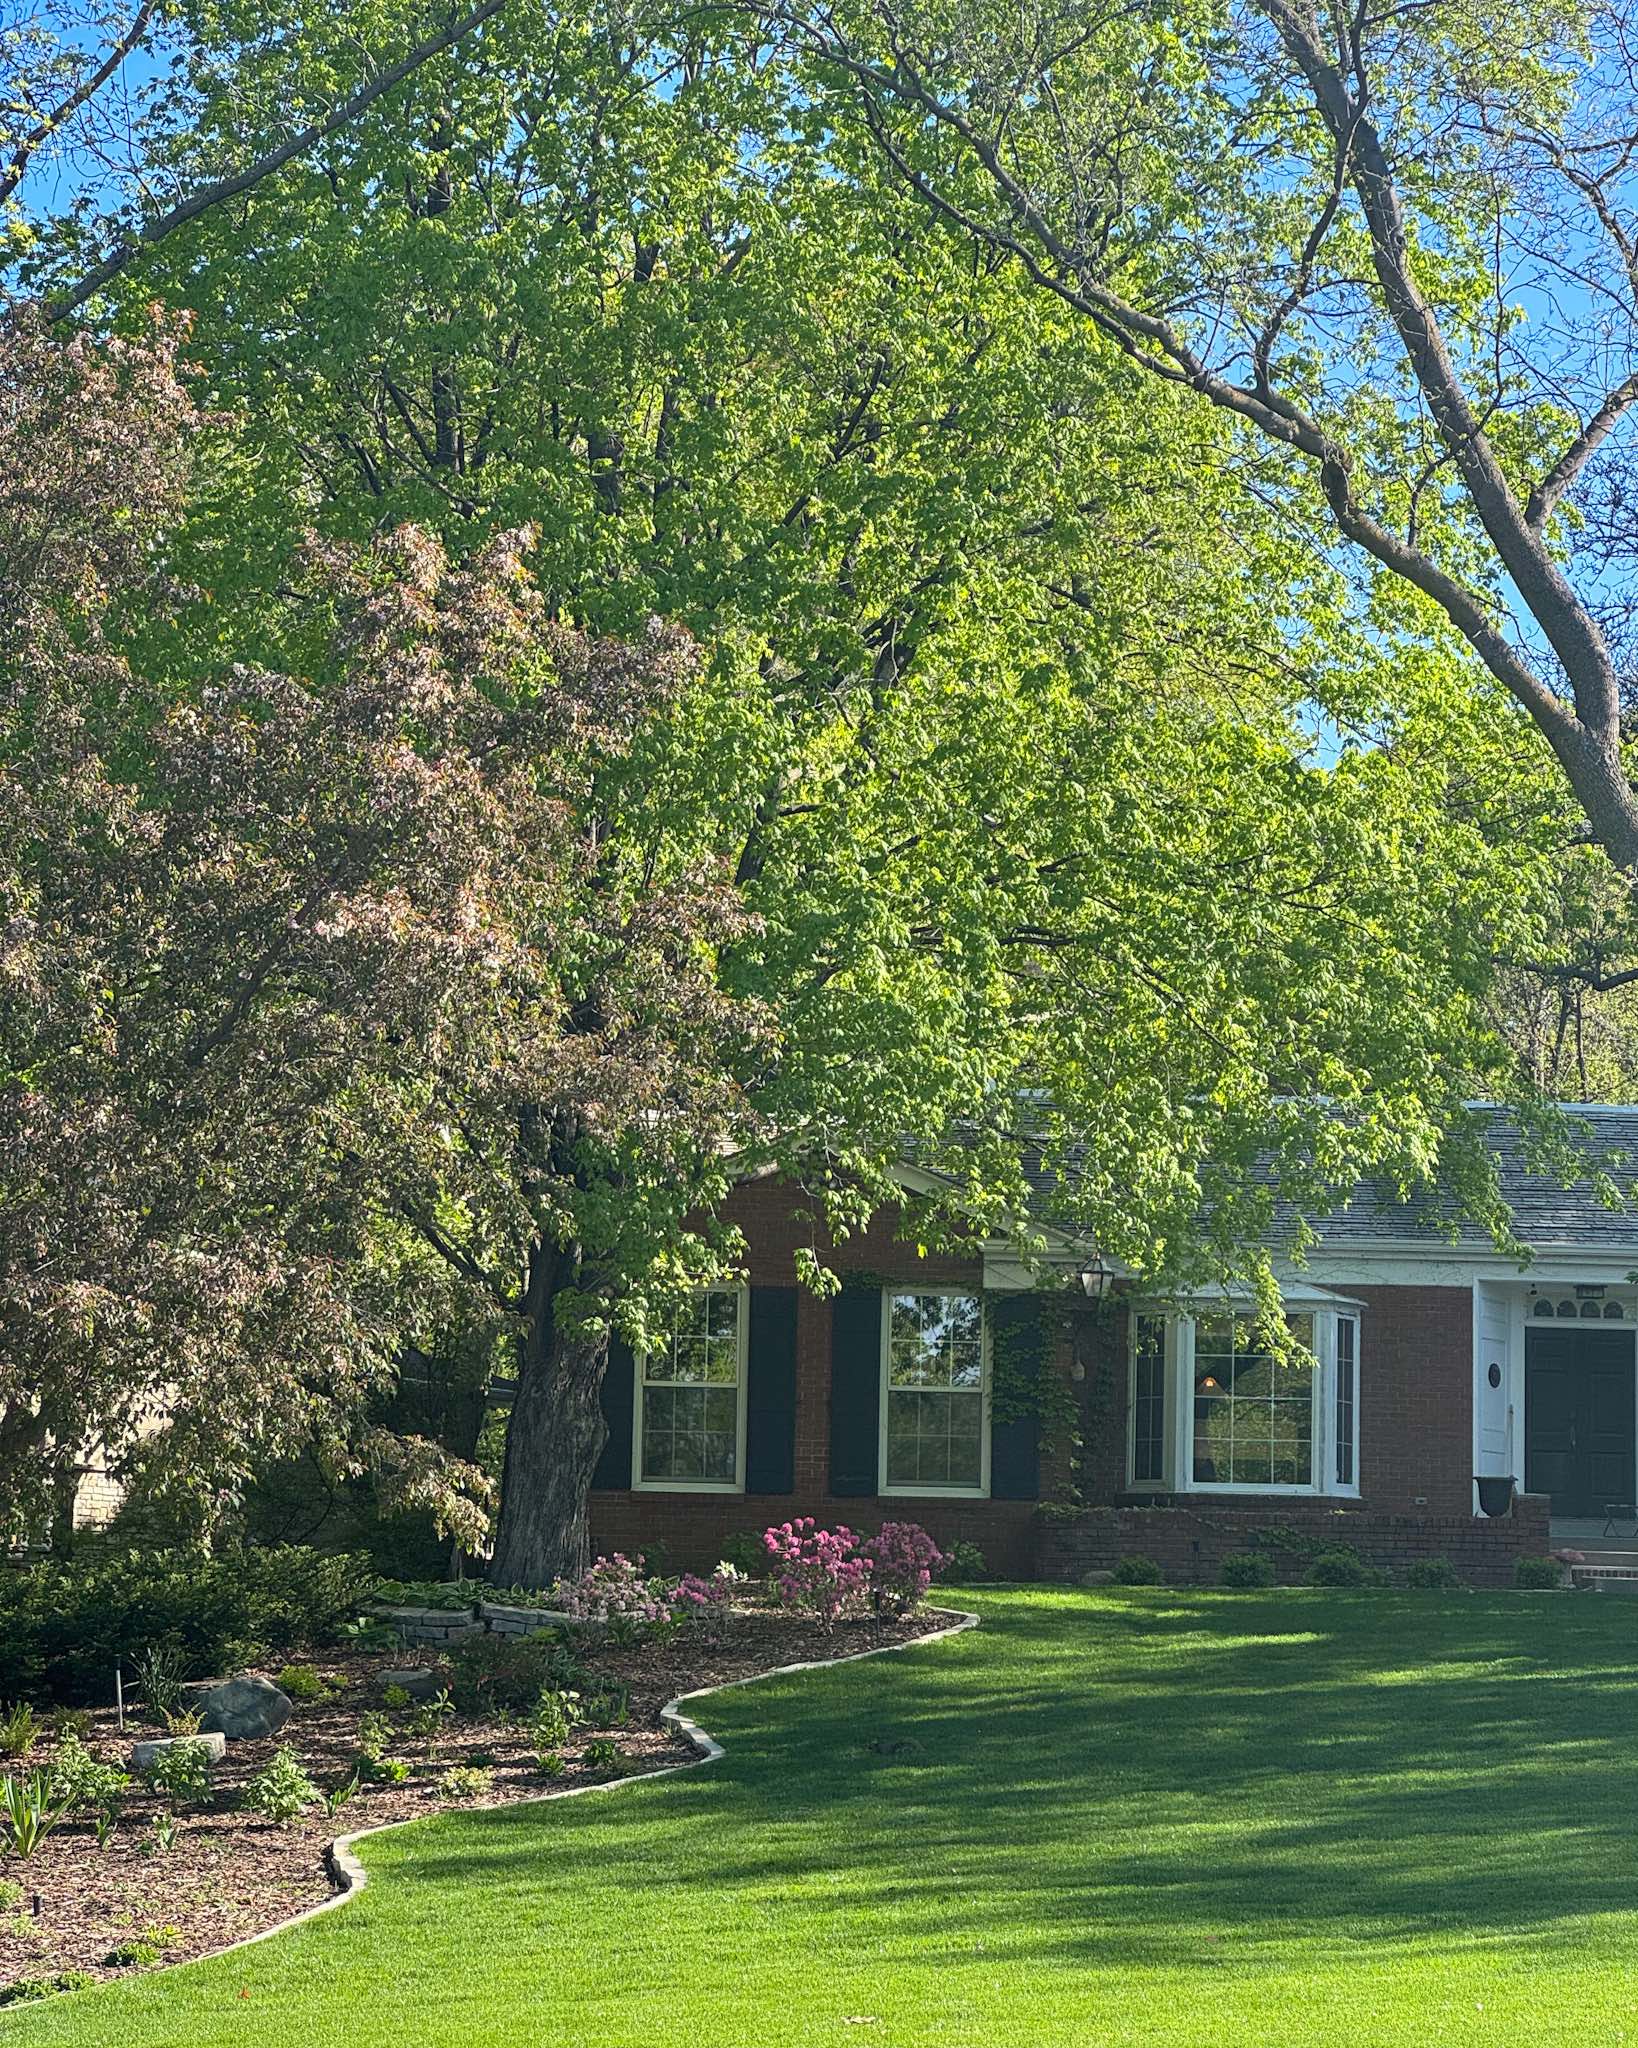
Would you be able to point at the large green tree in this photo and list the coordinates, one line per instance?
(1001, 732)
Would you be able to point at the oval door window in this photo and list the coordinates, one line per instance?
(1494, 1374)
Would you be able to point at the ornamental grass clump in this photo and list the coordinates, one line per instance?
(820, 1572)
(904, 1560)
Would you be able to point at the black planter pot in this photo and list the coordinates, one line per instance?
(1495, 1495)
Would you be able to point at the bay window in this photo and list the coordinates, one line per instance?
(1217, 1406)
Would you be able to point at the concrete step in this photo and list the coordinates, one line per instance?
(1606, 1578)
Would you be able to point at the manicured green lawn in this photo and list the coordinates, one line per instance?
(1203, 1819)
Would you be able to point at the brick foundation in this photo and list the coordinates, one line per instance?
(1190, 1542)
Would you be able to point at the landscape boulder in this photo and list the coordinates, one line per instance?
(419, 1684)
(244, 1708)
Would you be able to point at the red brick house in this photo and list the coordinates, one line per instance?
(1427, 1361)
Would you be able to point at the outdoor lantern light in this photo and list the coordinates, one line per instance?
(1095, 1279)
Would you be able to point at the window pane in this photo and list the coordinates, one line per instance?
(1149, 1399)
(691, 1393)
(935, 1438)
(1253, 1411)
(1347, 1342)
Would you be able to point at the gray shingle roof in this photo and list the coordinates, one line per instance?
(1545, 1211)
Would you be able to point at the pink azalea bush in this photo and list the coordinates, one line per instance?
(904, 1560)
(822, 1572)
(615, 1588)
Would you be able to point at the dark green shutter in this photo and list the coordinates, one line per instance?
(613, 1473)
(1017, 1327)
(770, 1392)
(855, 1391)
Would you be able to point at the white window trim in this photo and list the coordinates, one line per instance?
(737, 1484)
(902, 1491)
(1180, 1333)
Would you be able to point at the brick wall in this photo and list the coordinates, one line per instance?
(692, 1526)
(1415, 1391)
(1190, 1542)
(1416, 1399)
(1415, 1437)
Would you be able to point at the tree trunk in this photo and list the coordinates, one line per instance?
(553, 1441)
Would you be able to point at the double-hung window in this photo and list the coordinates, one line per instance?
(935, 1371)
(691, 1397)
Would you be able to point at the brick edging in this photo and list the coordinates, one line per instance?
(351, 1877)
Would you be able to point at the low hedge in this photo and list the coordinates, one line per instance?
(64, 1626)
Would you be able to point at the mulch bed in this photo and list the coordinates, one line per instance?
(230, 1873)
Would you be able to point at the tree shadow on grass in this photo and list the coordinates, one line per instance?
(1116, 1784)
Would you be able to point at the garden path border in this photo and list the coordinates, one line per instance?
(351, 1877)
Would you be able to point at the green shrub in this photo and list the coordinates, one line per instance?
(26, 1989)
(493, 1674)
(386, 1770)
(549, 1763)
(88, 1784)
(70, 1721)
(1245, 1569)
(964, 1565)
(1340, 1566)
(1138, 1571)
(1431, 1573)
(608, 1708)
(182, 1771)
(66, 1623)
(301, 1683)
(1538, 1574)
(746, 1552)
(396, 1698)
(603, 1754)
(556, 1712)
(466, 1781)
(281, 1790)
(11, 1894)
(374, 1733)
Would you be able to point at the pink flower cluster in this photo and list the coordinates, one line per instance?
(904, 1560)
(705, 1601)
(613, 1587)
(822, 1572)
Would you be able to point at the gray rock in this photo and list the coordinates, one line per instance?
(245, 1708)
(420, 1685)
(145, 1754)
(1097, 1578)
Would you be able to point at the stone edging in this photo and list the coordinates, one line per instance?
(351, 1877)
